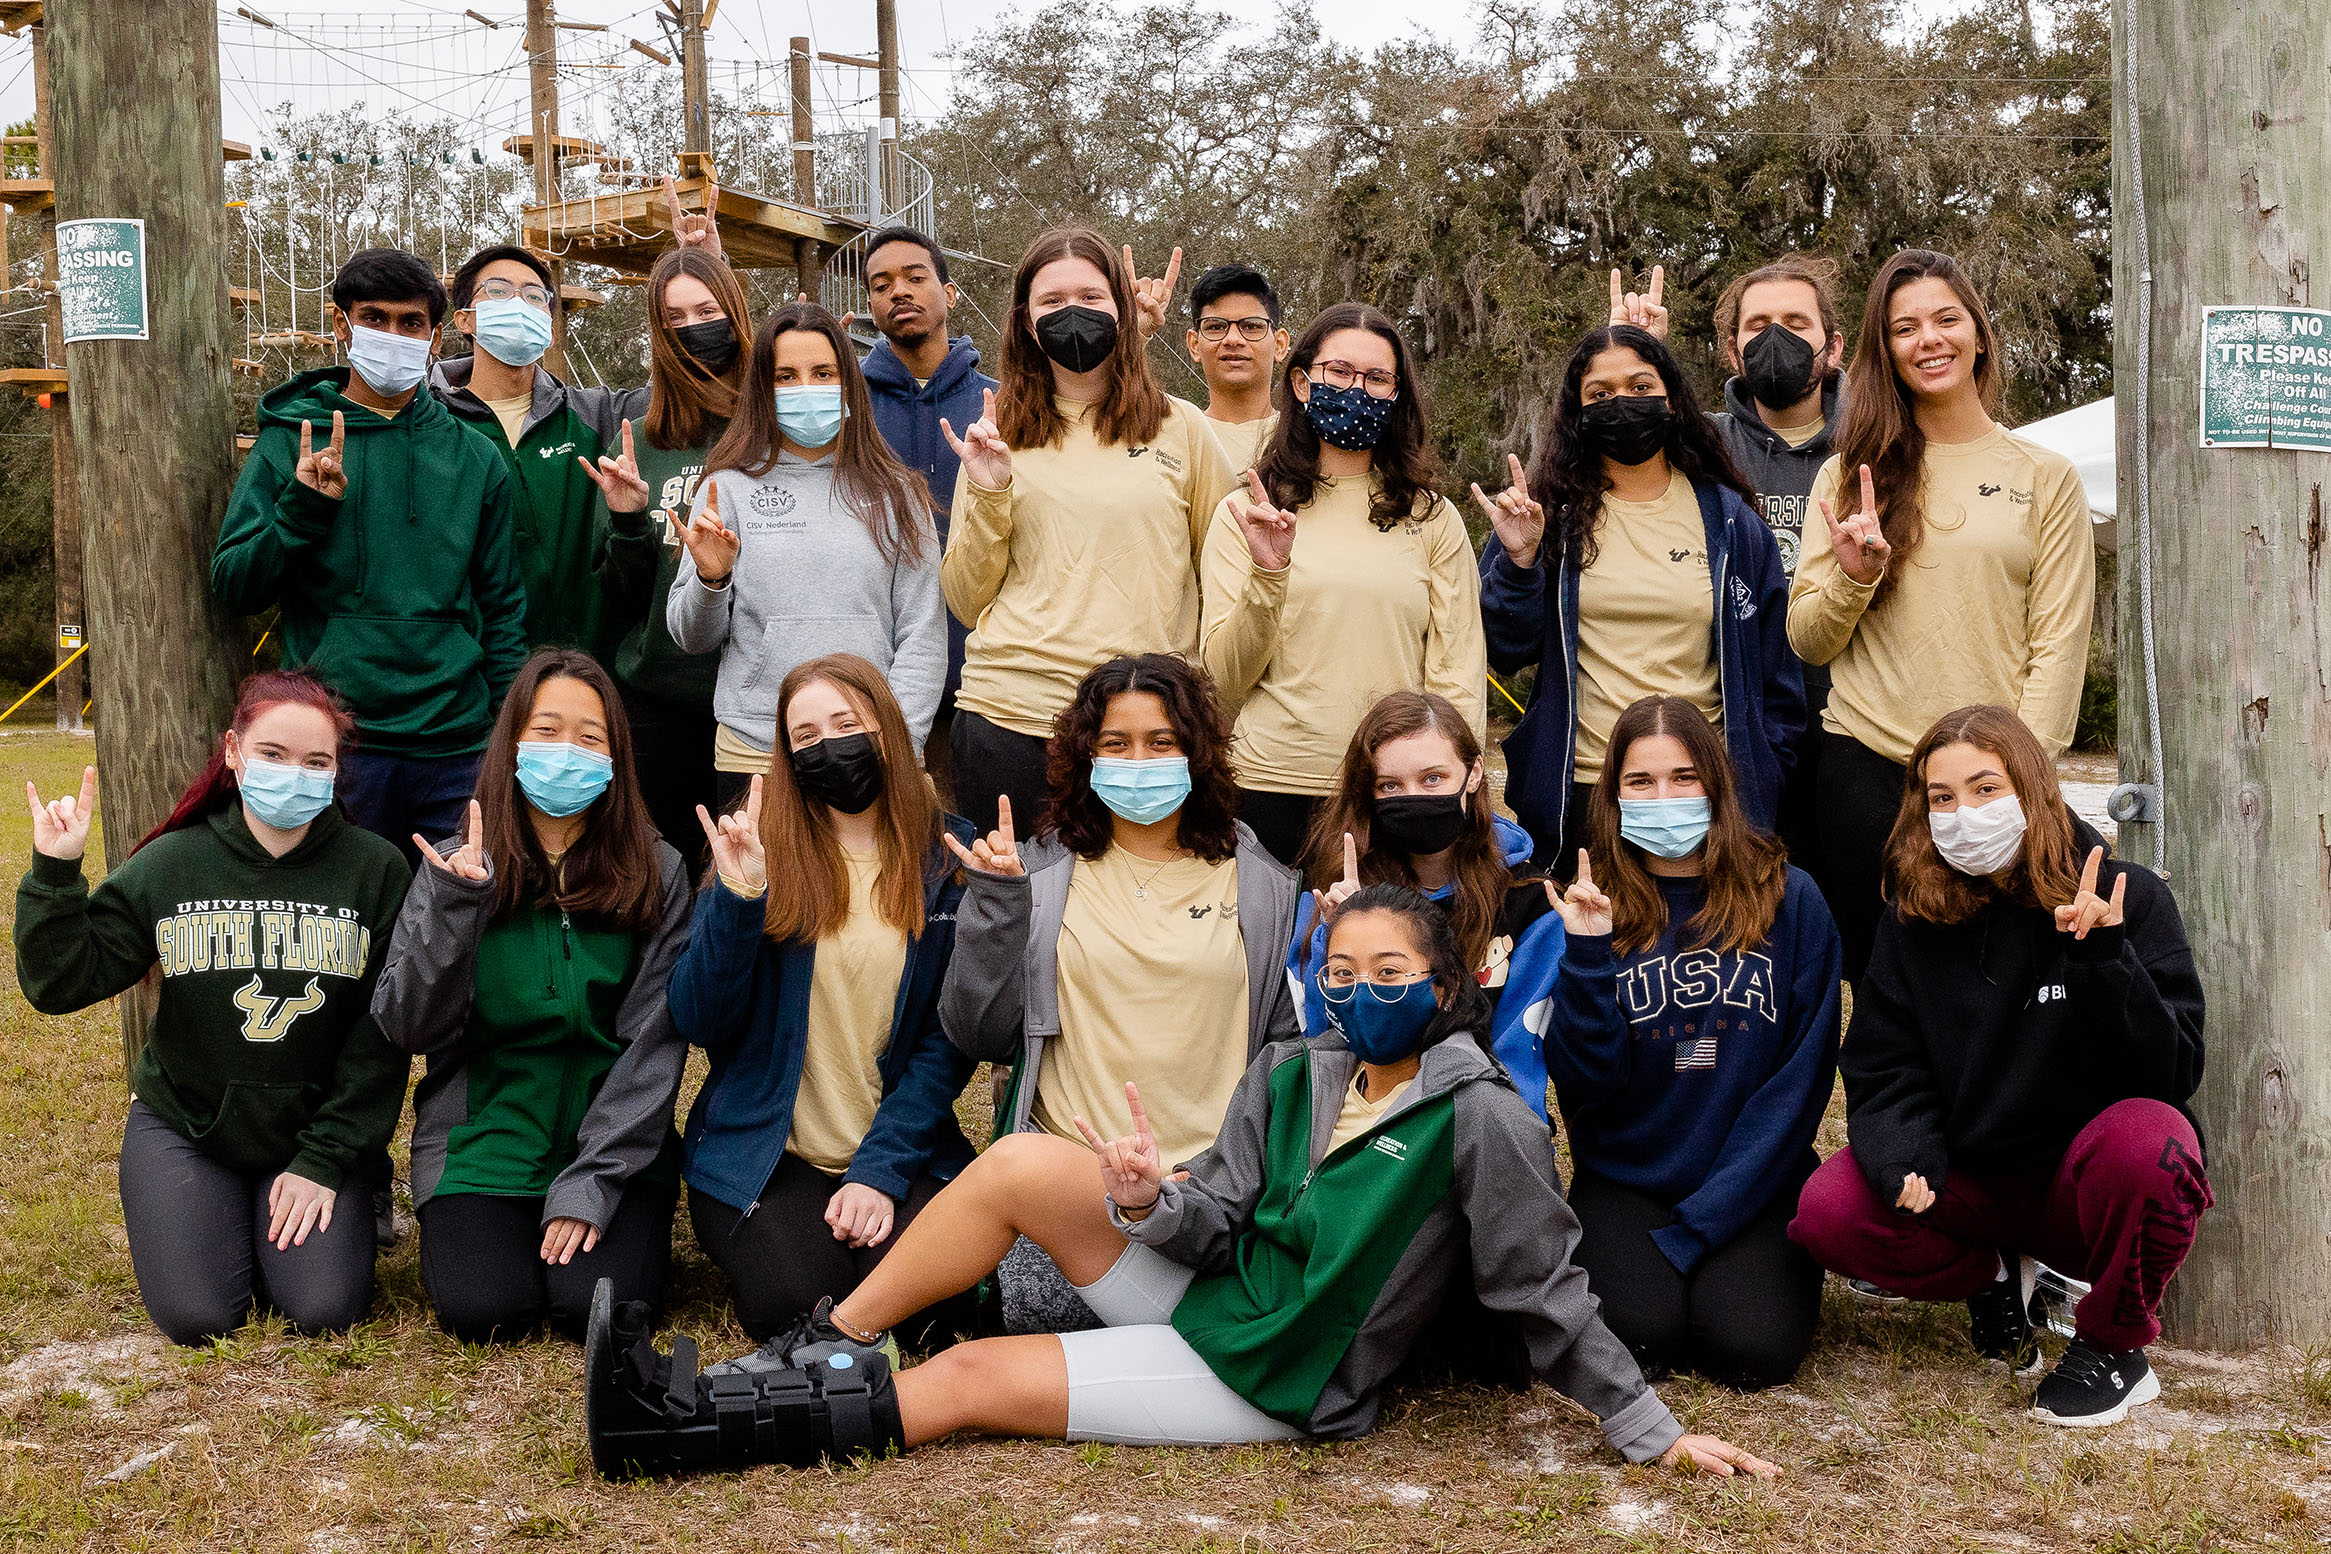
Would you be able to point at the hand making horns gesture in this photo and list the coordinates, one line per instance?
(995, 853)
(60, 827)
(618, 478)
(1859, 543)
(1151, 298)
(466, 862)
(986, 457)
(2088, 909)
(710, 542)
(693, 231)
(1585, 910)
(1269, 528)
(1331, 900)
(1517, 517)
(1130, 1169)
(323, 472)
(1642, 309)
(737, 853)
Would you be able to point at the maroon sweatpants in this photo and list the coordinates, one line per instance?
(2118, 1211)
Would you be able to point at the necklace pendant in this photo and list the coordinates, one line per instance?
(1140, 893)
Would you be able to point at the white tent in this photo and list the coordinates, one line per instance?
(2085, 436)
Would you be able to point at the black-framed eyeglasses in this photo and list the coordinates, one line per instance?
(1379, 383)
(1252, 330)
(500, 290)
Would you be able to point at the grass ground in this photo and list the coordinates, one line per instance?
(395, 1438)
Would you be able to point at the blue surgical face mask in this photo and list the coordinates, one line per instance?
(1143, 792)
(1349, 418)
(1381, 1024)
(810, 414)
(1665, 828)
(560, 779)
(512, 331)
(285, 797)
(390, 364)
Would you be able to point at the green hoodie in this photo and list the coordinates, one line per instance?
(262, 1049)
(404, 595)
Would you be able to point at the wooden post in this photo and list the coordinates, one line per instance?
(137, 135)
(542, 82)
(64, 476)
(2225, 107)
(804, 128)
(695, 94)
(886, 54)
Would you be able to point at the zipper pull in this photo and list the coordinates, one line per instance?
(748, 1214)
(566, 933)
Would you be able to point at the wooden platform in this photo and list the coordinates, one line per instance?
(295, 339)
(16, 15)
(627, 231)
(25, 196)
(33, 380)
(571, 148)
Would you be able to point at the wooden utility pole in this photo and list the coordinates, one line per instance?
(134, 97)
(542, 81)
(886, 55)
(64, 473)
(695, 94)
(808, 259)
(2218, 115)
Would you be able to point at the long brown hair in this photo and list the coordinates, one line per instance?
(809, 883)
(611, 875)
(1880, 428)
(685, 401)
(1407, 469)
(1130, 409)
(1477, 867)
(1744, 872)
(2045, 874)
(1208, 822)
(893, 503)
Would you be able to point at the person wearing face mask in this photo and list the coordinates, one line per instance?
(2026, 1044)
(1657, 579)
(1689, 1026)
(1139, 936)
(1959, 569)
(808, 537)
(826, 1122)
(381, 529)
(1083, 507)
(1381, 594)
(262, 1096)
(1268, 1293)
(529, 968)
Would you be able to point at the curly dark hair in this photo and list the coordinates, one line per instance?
(1567, 476)
(1209, 817)
(1464, 1007)
(1407, 469)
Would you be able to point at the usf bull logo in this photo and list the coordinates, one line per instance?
(265, 1018)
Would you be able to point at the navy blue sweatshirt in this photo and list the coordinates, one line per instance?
(907, 414)
(1698, 1076)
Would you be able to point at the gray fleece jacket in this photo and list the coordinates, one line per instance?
(1504, 1213)
(808, 581)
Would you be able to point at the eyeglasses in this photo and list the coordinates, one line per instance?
(1342, 375)
(1386, 986)
(1252, 330)
(499, 290)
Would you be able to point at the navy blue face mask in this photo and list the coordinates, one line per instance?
(1349, 418)
(1381, 1029)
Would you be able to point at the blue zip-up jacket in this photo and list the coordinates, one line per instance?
(908, 418)
(1694, 1076)
(1759, 678)
(745, 1000)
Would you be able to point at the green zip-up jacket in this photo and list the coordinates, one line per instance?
(553, 1063)
(262, 1050)
(643, 556)
(1316, 1272)
(560, 522)
(403, 595)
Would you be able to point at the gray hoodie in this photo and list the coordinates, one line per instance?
(808, 581)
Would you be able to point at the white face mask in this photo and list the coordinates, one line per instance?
(1980, 841)
(390, 364)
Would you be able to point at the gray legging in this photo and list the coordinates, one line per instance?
(198, 1240)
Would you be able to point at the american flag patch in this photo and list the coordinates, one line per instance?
(1699, 1052)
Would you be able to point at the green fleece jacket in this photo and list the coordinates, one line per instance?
(262, 1049)
(561, 524)
(403, 595)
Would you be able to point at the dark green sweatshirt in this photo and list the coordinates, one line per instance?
(262, 1050)
(643, 556)
(404, 595)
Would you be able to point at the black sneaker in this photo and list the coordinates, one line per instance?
(2092, 1387)
(2000, 1325)
(810, 1341)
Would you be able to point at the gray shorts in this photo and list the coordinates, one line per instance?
(1137, 1382)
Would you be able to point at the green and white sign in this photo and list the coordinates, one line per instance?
(2266, 378)
(101, 278)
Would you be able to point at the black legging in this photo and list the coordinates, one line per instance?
(1280, 821)
(993, 761)
(1744, 1316)
(1860, 792)
(481, 1262)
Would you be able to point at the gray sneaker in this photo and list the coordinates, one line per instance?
(812, 1340)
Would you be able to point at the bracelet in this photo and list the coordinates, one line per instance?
(1133, 1216)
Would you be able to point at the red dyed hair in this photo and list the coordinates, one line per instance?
(215, 789)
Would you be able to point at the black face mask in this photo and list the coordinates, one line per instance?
(1080, 339)
(1627, 429)
(1420, 824)
(712, 345)
(843, 771)
(1777, 366)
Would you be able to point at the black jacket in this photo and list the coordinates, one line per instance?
(1990, 1044)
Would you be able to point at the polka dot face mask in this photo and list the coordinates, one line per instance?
(1348, 418)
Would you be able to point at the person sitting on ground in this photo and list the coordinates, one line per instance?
(1267, 1293)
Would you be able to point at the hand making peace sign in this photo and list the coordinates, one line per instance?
(2088, 909)
(1517, 517)
(1151, 298)
(618, 479)
(1585, 910)
(1642, 309)
(466, 862)
(1130, 1169)
(1269, 528)
(986, 457)
(995, 853)
(323, 473)
(1859, 543)
(694, 231)
(737, 853)
(60, 827)
(712, 543)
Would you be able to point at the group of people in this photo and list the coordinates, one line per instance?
(614, 723)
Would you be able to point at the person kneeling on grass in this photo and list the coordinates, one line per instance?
(1267, 1294)
(2023, 1047)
